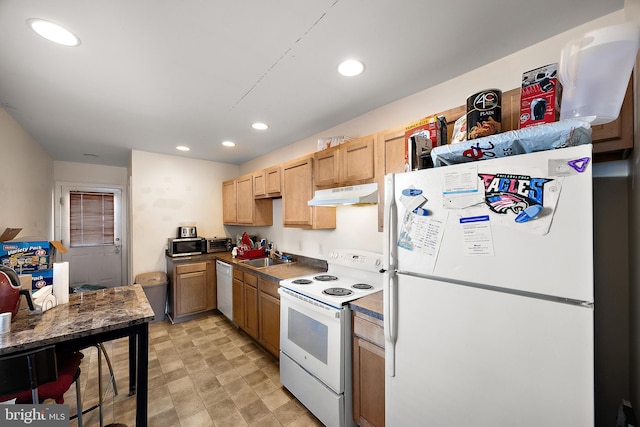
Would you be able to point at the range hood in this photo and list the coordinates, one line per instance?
(352, 195)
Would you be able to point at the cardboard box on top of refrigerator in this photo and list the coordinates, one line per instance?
(420, 137)
(540, 96)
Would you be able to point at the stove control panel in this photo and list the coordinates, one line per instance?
(363, 260)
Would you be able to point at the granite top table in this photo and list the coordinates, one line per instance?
(87, 319)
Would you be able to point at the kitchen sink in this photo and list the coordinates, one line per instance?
(264, 262)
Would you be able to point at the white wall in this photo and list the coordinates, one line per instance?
(26, 183)
(357, 227)
(88, 173)
(169, 191)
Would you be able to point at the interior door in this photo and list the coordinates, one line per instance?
(91, 223)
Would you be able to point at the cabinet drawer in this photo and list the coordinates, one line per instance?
(269, 287)
(368, 330)
(251, 280)
(238, 274)
(191, 268)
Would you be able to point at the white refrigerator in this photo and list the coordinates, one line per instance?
(488, 297)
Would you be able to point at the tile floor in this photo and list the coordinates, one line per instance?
(202, 372)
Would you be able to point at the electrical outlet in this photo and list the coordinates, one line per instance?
(320, 248)
(299, 245)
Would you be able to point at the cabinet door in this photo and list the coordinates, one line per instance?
(251, 305)
(269, 310)
(296, 192)
(368, 383)
(259, 185)
(274, 180)
(390, 159)
(270, 323)
(327, 167)
(237, 295)
(229, 202)
(615, 137)
(357, 160)
(191, 289)
(244, 186)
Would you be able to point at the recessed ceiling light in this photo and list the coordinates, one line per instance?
(53, 32)
(350, 67)
(183, 148)
(260, 126)
(228, 143)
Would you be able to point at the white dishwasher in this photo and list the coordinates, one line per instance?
(224, 275)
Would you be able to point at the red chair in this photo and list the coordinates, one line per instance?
(34, 376)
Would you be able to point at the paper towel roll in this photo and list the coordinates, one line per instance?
(61, 281)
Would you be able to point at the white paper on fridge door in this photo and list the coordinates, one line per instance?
(462, 188)
(423, 234)
(476, 233)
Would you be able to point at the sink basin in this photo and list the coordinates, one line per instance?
(264, 262)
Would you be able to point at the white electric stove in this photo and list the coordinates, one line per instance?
(315, 332)
(351, 274)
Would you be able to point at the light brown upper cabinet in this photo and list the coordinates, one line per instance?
(240, 208)
(389, 159)
(229, 202)
(347, 164)
(297, 190)
(267, 183)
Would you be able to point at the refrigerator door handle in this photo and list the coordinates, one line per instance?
(389, 264)
(390, 321)
(389, 225)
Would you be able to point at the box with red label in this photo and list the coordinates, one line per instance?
(540, 96)
(26, 257)
(420, 138)
(42, 278)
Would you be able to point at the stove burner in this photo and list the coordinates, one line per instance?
(302, 281)
(338, 292)
(362, 286)
(325, 277)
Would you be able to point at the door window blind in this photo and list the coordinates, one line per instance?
(91, 219)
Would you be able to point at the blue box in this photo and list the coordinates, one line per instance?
(41, 278)
(26, 257)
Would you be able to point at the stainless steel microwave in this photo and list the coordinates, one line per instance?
(186, 246)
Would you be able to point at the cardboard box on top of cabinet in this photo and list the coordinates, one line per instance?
(333, 141)
(540, 96)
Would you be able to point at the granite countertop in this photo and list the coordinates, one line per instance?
(370, 305)
(302, 267)
(85, 314)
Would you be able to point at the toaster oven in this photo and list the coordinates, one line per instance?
(217, 244)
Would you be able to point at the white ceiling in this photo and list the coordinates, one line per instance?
(153, 74)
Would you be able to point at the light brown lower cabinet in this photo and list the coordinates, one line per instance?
(269, 312)
(192, 288)
(256, 308)
(368, 370)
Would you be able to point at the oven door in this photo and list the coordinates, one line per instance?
(313, 335)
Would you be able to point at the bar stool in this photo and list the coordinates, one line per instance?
(37, 375)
